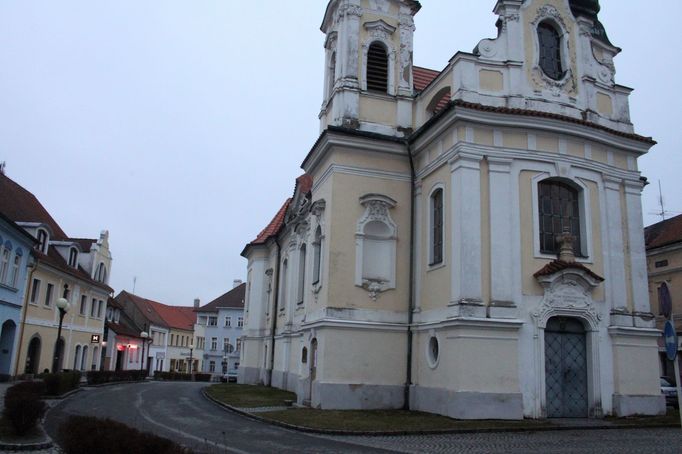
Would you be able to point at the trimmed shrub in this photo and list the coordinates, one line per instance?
(23, 407)
(96, 377)
(86, 435)
(37, 388)
(202, 377)
(61, 382)
(4, 378)
(173, 376)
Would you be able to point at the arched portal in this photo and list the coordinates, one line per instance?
(9, 329)
(33, 356)
(566, 368)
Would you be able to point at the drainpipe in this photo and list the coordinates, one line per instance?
(408, 378)
(29, 282)
(274, 314)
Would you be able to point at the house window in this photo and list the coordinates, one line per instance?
(214, 343)
(301, 274)
(100, 306)
(661, 264)
(4, 265)
(559, 210)
(549, 40)
(84, 304)
(377, 68)
(43, 241)
(211, 366)
(171, 340)
(101, 274)
(436, 227)
(48, 294)
(15, 269)
(212, 321)
(93, 307)
(332, 75)
(239, 346)
(35, 291)
(317, 254)
(240, 322)
(228, 321)
(227, 347)
(73, 258)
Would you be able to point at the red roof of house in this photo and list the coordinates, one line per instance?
(663, 233)
(304, 183)
(234, 299)
(179, 317)
(84, 243)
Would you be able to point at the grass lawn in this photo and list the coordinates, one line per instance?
(672, 417)
(386, 420)
(249, 396)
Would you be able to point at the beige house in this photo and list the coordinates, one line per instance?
(74, 268)
(467, 241)
(664, 265)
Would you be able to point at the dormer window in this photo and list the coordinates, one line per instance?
(377, 68)
(549, 40)
(43, 241)
(73, 257)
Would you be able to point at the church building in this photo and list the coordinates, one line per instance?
(466, 242)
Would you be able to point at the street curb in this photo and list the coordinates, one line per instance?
(27, 446)
(432, 432)
(112, 383)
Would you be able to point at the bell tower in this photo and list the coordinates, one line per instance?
(368, 65)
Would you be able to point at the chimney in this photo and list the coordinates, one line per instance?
(236, 283)
(197, 301)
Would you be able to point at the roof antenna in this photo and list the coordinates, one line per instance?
(134, 283)
(663, 212)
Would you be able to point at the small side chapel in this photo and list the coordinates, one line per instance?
(466, 242)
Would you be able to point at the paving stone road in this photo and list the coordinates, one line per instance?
(178, 411)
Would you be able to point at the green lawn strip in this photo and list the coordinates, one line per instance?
(249, 396)
(387, 420)
(673, 417)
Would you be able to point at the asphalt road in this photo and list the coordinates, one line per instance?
(178, 411)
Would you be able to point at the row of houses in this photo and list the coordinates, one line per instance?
(59, 312)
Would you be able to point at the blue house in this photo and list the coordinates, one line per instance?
(219, 332)
(15, 257)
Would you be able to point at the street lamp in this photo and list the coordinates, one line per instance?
(63, 306)
(144, 335)
(191, 350)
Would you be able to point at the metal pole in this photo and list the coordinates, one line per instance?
(191, 350)
(676, 363)
(55, 361)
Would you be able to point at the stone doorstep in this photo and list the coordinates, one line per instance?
(574, 424)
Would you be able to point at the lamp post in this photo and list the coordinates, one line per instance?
(144, 335)
(191, 350)
(63, 306)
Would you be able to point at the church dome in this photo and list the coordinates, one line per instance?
(589, 8)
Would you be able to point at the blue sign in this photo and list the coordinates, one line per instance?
(670, 339)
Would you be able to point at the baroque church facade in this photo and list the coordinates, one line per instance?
(465, 242)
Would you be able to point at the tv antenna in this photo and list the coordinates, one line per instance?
(662, 212)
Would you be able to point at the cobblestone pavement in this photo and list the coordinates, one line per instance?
(620, 441)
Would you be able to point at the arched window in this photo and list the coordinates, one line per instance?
(77, 358)
(283, 285)
(317, 255)
(331, 81)
(73, 257)
(15, 268)
(84, 361)
(95, 357)
(101, 274)
(436, 215)
(377, 68)
(559, 209)
(301, 274)
(4, 262)
(549, 40)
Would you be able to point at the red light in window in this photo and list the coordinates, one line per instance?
(120, 347)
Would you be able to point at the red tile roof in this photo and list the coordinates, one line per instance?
(84, 243)
(179, 317)
(274, 225)
(663, 233)
(234, 299)
(422, 77)
(558, 265)
(304, 183)
(20, 205)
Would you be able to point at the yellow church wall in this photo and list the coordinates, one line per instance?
(515, 139)
(347, 211)
(378, 110)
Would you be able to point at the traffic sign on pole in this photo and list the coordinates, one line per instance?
(670, 339)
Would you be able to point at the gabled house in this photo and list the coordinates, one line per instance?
(222, 321)
(76, 269)
(124, 346)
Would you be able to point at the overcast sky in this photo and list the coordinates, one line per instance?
(180, 125)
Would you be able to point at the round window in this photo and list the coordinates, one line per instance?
(433, 351)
